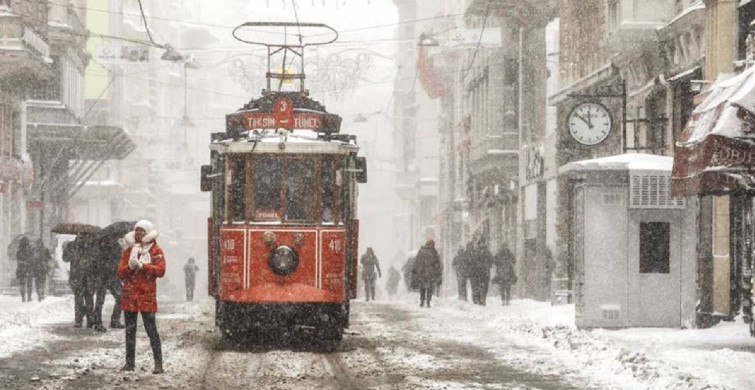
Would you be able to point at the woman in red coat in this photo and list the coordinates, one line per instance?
(140, 266)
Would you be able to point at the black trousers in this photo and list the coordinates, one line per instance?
(189, 290)
(426, 292)
(461, 285)
(505, 293)
(40, 283)
(83, 295)
(116, 289)
(369, 289)
(150, 325)
(25, 283)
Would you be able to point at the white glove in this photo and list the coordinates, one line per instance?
(139, 264)
(134, 264)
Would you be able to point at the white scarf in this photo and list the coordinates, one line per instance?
(140, 250)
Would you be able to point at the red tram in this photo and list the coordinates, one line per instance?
(282, 237)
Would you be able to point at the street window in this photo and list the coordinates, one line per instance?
(654, 247)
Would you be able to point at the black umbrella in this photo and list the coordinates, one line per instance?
(75, 228)
(13, 247)
(116, 229)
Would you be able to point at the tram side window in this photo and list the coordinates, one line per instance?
(267, 189)
(300, 190)
(327, 191)
(238, 179)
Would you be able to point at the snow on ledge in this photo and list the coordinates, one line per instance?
(621, 162)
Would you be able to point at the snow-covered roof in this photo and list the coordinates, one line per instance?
(621, 162)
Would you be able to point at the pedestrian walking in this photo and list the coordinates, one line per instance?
(108, 257)
(461, 268)
(505, 274)
(24, 261)
(393, 278)
(82, 254)
(427, 272)
(41, 265)
(481, 260)
(370, 265)
(190, 272)
(141, 264)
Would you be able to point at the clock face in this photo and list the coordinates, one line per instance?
(589, 123)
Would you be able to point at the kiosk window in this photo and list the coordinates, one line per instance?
(300, 190)
(654, 247)
(267, 188)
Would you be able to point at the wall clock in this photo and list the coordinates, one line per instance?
(589, 123)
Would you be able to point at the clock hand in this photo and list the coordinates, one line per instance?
(583, 119)
(589, 119)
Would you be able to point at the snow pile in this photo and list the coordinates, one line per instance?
(18, 321)
(633, 358)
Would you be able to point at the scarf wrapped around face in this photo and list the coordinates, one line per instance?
(140, 250)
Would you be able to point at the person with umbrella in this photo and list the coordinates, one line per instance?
(24, 261)
(109, 256)
(82, 254)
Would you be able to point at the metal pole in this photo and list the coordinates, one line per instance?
(624, 116)
(186, 103)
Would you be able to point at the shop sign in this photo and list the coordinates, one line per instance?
(34, 204)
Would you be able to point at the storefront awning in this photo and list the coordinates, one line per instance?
(82, 142)
(715, 154)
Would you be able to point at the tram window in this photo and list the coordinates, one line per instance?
(267, 189)
(300, 190)
(327, 191)
(238, 179)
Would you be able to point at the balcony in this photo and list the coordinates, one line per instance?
(492, 152)
(22, 49)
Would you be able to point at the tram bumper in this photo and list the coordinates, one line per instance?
(283, 307)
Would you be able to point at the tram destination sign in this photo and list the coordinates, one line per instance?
(254, 120)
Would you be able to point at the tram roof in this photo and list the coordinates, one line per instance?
(299, 141)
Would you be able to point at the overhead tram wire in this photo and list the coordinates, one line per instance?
(482, 31)
(144, 19)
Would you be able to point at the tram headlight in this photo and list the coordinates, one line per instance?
(283, 260)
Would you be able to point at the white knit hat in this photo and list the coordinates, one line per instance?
(144, 224)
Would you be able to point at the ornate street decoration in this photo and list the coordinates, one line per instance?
(334, 74)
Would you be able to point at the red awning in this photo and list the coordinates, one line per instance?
(715, 154)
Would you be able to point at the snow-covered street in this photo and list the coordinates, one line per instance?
(390, 345)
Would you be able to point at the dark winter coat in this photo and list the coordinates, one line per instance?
(461, 263)
(108, 257)
(42, 261)
(427, 266)
(139, 285)
(190, 272)
(504, 267)
(24, 259)
(369, 265)
(82, 253)
(480, 262)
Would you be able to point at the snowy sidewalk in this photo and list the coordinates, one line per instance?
(640, 358)
(21, 322)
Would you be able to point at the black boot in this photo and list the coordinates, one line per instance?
(158, 365)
